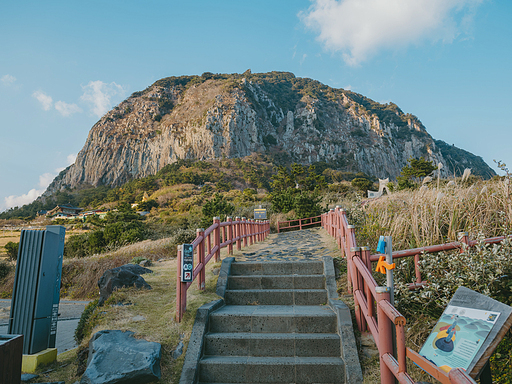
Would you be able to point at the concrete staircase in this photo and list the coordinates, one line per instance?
(276, 327)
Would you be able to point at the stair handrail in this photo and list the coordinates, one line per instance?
(380, 320)
(207, 245)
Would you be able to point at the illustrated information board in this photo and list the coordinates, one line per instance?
(458, 335)
(187, 262)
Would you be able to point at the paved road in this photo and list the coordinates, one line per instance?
(70, 312)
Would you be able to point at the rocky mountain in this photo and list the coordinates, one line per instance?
(288, 118)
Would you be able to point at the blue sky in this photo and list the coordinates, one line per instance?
(63, 64)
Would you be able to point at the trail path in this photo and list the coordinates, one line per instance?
(308, 244)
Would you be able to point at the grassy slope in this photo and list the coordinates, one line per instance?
(157, 306)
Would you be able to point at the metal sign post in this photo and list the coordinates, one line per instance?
(187, 263)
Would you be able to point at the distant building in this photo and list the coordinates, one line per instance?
(64, 210)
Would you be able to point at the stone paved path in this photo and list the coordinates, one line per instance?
(308, 244)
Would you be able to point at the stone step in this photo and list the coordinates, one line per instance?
(273, 344)
(276, 297)
(277, 282)
(273, 319)
(249, 369)
(277, 268)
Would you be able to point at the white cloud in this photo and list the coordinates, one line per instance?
(71, 158)
(361, 28)
(100, 94)
(45, 179)
(18, 201)
(66, 109)
(45, 100)
(8, 79)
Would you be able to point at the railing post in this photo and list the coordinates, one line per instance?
(463, 238)
(230, 234)
(244, 230)
(417, 268)
(351, 229)
(338, 225)
(238, 229)
(385, 336)
(355, 252)
(365, 253)
(200, 259)
(251, 231)
(343, 232)
(300, 224)
(216, 236)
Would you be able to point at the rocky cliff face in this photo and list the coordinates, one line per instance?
(292, 119)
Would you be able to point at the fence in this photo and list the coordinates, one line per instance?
(373, 309)
(301, 223)
(208, 243)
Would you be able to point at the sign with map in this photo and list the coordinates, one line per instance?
(457, 336)
(468, 332)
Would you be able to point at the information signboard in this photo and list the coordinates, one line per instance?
(187, 262)
(468, 331)
(260, 214)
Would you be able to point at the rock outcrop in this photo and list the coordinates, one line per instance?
(124, 276)
(118, 357)
(292, 119)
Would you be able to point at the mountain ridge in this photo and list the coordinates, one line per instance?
(235, 115)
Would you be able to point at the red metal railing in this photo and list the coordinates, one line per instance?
(208, 244)
(373, 308)
(301, 223)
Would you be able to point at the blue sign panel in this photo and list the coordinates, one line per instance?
(187, 263)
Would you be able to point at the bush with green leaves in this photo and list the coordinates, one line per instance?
(87, 321)
(4, 270)
(216, 207)
(12, 250)
(484, 268)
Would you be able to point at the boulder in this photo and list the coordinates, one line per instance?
(124, 276)
(117, 357)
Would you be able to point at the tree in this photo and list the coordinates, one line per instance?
(217, 207)
(362, 184)
(12, 250)
(418, 168)
(297, 190)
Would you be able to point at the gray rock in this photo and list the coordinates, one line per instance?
(117, 357)
(124, 276)
(178, 351)
(146, 263)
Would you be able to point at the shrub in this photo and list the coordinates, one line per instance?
(137, 259)
(77, 246)
(86, 322)
(4, 269)
(362, 184)
(12, 250)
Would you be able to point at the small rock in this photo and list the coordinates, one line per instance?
(124, 276)
(146, 263)
(178, 351)
(138, 318)
(26, 377)
(215, 271)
